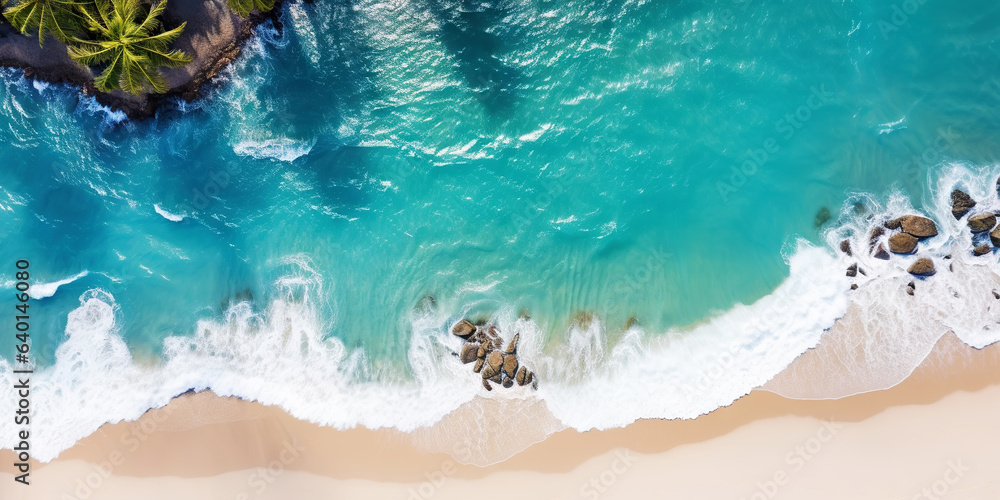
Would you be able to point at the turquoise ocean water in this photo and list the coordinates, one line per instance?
(637, 177)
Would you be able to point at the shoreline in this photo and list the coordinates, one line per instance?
(206, 438)
(214, 37)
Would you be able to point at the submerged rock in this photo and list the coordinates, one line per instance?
(922, 267)
(486, 384)
(902, 243)
(852, 271)
(463, 329)
(961, 203)
(854, 286)
(508, 383)
(981, 250)
(982, 222)
(822, 217)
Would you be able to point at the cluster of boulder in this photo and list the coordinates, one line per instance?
(483, 347)
(906, 232)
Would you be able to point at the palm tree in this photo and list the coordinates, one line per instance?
(132, 43)
(59, 18)
(245, 7)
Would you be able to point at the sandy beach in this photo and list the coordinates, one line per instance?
(932, 436)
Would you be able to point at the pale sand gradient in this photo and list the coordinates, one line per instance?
(883, 445)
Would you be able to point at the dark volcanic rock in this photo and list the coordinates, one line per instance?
(902, 243)
(822, 216)
(961, 203)
(508, 383)
(881, 253)
(982, 222)
(469, 353)
(981, 250)
(852, 271)
(845, 246)
(922, 267)
(463, 329)
(854, 286)
(877, 233)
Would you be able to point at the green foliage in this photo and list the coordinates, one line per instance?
(59, 18)
(129, 40)
(245, 7)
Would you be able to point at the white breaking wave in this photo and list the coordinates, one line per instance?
(282, 355)
(40, 291)
(283, 149)
(168, 215)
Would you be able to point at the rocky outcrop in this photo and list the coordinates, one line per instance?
(922, 267)
(845, 246)
(982, 222)
(915, 225)
(881, 253)
(995, 237)
(469, 353)
(483, 347)
(214, 37)
(961, 203)
(852, 270)
(902, 243)
(463, 329)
